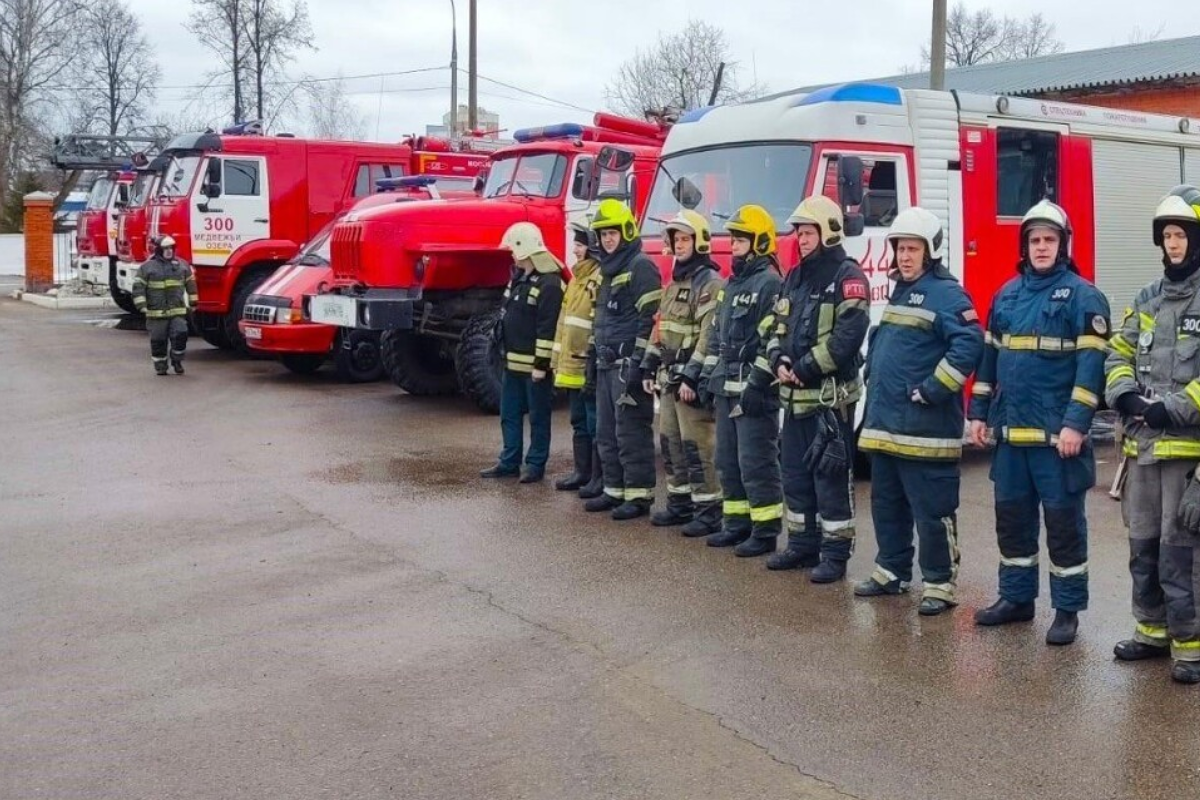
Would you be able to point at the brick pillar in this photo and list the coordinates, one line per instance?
(39, 242)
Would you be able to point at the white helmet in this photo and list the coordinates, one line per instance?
(165, 243)
(1046, 214)
(1182, 207)
(524, 239)
(917, 223)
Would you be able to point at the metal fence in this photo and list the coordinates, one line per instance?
(64, 256)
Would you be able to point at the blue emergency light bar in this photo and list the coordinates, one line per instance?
(853, 93)
(407, 182)
(564, 130)
(251, 128)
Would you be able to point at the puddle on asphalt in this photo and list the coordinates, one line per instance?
(423, 469)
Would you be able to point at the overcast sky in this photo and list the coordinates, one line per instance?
(568, 49)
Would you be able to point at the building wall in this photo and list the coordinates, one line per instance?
(1179, 100)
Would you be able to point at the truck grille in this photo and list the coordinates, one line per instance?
(257, 313)
(346, 251)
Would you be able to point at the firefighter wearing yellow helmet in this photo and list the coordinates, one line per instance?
(815, 354)
(673, 363)
(747, 431)
(528, 318)
(1037, 389)
(627, 301)
(164, 289)
(1153, 368)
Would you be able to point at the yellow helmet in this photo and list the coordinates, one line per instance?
(1180, 207)
(819, 210)
(613, 213)
(688, 221)
(756, 222)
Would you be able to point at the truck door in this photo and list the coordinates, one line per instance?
(580, 205)
(236, 210)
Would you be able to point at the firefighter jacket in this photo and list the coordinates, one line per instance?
(1156, 353)
(574, 331)
(822, 318)
(1043, 363)
(684, 323)
(532, 301)
(929, 340)
(629, 296)
(163, 289)
(740, 325)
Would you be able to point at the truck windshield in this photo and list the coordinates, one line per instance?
(316, 252)
(98, 196)
(531, 175)
(716, 182)
(177, 179)
(141, 189)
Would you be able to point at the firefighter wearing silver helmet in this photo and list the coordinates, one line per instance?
(1037, 389)
(164, 289)
(1153, 371)
(921, 355)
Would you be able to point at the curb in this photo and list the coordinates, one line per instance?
(64, 303)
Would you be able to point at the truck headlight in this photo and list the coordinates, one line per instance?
(286, 316)
(419, 267)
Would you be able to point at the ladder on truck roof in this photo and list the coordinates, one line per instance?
(85, 151)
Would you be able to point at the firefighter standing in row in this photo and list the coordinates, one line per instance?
(822, 318)
(532, 301)
(1153, 371)
(569, 360)
(1037, 389)
(674, 361)
(921, 355)
(747, 415)
(628, 299)
(164, 289)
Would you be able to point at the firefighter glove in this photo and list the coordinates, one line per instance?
(1132, 404)
(1189, 506)
(1156, 416)
(754, 401)
(589, 376)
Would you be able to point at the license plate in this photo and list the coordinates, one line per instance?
(253, 333)
(333, 309)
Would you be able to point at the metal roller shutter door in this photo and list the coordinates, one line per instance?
(1191, 166)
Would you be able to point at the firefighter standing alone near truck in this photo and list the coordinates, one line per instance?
(629, 296)
(674, 361)
(1153, 371)
(164, 289)
(1037, 389)
(532, 301)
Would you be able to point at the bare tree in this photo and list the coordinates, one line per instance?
(1030, 38)
(273, 35)
(1140, 36)
(678, 73)
(980, 37)
(220, 26)
(331, 112)
(116, 71)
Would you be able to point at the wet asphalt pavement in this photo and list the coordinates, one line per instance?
(243, 583)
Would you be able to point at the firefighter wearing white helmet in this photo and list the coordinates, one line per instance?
(528, 318)
(673, 363)
(1037, 389)
(927, 345)
(815, 354)
(1153, 371)
(164, 289)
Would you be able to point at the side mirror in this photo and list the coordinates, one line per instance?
(122, 199)
(854, 224)
(480, 181)
(614, 159)
(687, 194)
(850, 181)
(212, 179)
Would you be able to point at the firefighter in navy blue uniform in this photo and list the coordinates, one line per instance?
(1037, 388)
(928, 343)
(532, 301)
(747, 419)
(815, 352)
(164, 289)
(676, 357)
(1153, 371)
(629, 296)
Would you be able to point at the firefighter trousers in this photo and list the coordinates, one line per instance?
(906, 493)
(820, 508)
(1162, 558)
(168, 335)
(521, 396)
(583, 413)
(1029, 478)
(687, 436)
(747, 460)
(625, 435)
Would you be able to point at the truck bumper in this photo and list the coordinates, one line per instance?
(370, 309)
(297, 337)
(126, 272)
(93, 270)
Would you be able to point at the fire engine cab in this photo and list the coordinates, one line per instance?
(96, 233)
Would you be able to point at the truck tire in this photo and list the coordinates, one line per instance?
(479, 364)
(211, 330)
(417, 364)
(356, 356)
(123, 299)
(237, 303)
(302, 363)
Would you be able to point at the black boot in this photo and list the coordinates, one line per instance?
(1062, 631)
(603, 502)
(499, 471)
(631, 509)
(1003, 612)
(728, 538)
(755, 546)
(932, 606)
(830, 570)
(594, 487)
(1185, 672)
(582, 444)
(797, 555)
(178, 367)
(706, 521)
(532, 475)
(679, 511)
(1133, 650)
(160, 369)
(873, 588)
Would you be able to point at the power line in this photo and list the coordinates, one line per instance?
(275, 83)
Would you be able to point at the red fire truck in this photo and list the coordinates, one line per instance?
(132, 233)
(96, 233)
(430, 275)
(274, 319)
(239, 204)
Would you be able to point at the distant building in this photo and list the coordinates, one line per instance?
(484, 120)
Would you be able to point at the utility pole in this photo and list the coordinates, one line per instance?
(453, 70)
(472, 102)
(716, 90)
(937, 47)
